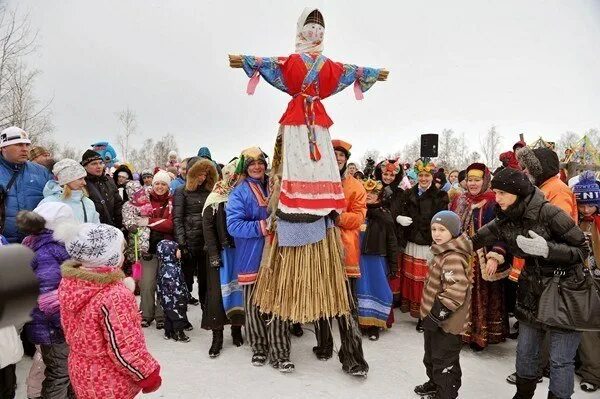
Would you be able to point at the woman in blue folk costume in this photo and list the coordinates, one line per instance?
(378, 261)
(224, 296)
(172, 291)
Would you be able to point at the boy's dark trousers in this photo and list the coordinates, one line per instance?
(442, 352)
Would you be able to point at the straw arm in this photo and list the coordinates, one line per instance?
(383, 75)
(235, 61)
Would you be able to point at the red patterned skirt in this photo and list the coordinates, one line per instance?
(414, 271)
(489, 317)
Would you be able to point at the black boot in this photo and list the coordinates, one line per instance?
(525, 388)
(296, 329)
(429, 388)
(552, 396)
(180, 336)
(217, 344)
(419, 327)
(236, 334)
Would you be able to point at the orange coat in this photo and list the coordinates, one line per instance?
(350, 221)
(560, 195)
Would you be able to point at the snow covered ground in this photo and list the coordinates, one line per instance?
(395, 361)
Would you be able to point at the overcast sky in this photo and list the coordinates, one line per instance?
(526, 66)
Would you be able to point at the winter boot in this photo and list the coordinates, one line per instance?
(373, 333)
(284, 366)
(180, 336)
(552, 396)
(525, 388)
(217, 344)
(296, 329)
(419, 327)
(259, 359)
(428, 388)
(236, 334)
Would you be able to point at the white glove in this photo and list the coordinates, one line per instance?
(536, 245)
(404, 221)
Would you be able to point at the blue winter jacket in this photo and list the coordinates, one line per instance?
(83, 207)
(25, 194)
(178, 182)
(246, 223)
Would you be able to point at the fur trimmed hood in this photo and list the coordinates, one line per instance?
(200, 167)
(72, 269)
(541, 163)
(79, 286)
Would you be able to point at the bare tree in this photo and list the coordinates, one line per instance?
(21, 107)
(16, 41)
(566, 140)
(162, 147)
(490, 147)
(412, 151)
(143, 157)
(129, 124)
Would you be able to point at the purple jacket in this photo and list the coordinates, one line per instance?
(45, 328)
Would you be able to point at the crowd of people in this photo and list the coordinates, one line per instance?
(461, 253)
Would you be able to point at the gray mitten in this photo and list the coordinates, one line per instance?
(536, 245)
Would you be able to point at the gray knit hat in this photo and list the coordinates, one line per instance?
(68, 170)
(449, 220)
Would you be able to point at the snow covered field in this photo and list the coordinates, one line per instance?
(395, 361)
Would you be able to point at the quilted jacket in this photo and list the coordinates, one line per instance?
(108, 356)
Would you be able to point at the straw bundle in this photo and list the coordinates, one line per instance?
(303, 284)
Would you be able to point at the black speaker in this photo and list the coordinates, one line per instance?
(429, 145)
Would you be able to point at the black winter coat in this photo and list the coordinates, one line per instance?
(380, 236)
(421, 209)
(566, 242)
(214, 225)
(108, 202)
(187, 218)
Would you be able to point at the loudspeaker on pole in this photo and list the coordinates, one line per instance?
(429, 145)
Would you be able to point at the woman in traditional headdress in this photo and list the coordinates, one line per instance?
(378, 261)
(417, 207)
(475, 208)
(390, 173)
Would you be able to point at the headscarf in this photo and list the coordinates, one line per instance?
(465, 201)
(223, 187)
(304, 45)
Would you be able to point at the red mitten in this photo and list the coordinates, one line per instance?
(152, 382)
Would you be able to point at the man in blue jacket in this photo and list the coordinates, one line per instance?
(21, 181)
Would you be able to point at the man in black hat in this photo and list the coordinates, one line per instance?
(102, 190)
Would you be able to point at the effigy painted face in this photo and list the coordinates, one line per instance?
(313, 33)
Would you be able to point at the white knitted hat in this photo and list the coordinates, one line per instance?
(162, 176)
(68, 170)
(94, 245)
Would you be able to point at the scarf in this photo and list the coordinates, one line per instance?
(467, 202)
(304, 45)
(224, 187)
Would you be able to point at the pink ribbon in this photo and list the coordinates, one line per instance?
(255, 78)
(357, 91)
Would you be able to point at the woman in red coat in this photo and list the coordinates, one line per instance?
(160, 223)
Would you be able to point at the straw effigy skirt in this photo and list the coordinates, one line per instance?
(305, 283)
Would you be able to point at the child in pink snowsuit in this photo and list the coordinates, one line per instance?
(108, 357)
